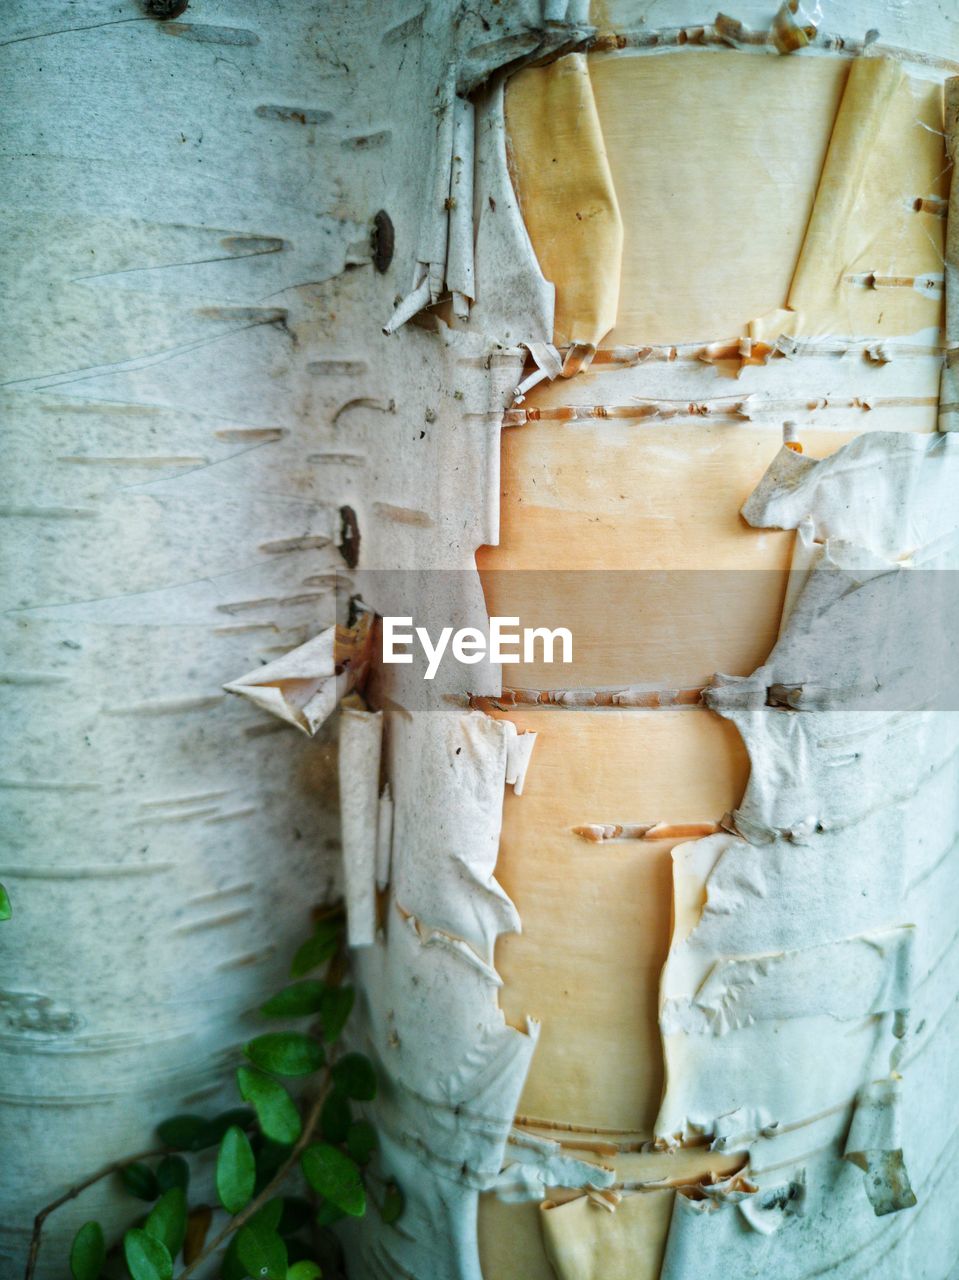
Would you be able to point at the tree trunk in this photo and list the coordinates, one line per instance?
(167, 525)
(681, 1004)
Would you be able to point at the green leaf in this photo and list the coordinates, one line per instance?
(235, 1170)
(318, 949)
(147, 1258)
(167, 1220)
(186, 1133)
(262, 1251)
(140, 1181)
(6, 910)
(296, 1214)
(265, 1219)
(268, 1218)
(327, 1214)
(361, 1141)
(297, 1001)
(275, 1109)
(304, 1271)
(335, 1116)
(354, 1076)
(231, 1268)
(394, 1202)
(173, 1171)
(286, 1053)
(336, 1008)
(335, 1177)
(88, 1252)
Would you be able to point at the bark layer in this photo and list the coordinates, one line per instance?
(171, 234)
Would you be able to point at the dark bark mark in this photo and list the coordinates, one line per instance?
(383, 241)
(349, 545)
(295, 115)
(164, 10)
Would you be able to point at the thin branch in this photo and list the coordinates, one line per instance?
(266, 1194)
(40, 1219)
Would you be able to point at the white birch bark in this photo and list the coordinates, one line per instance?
(195, 383)
(171, 232)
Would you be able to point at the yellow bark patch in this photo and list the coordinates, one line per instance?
(564, 185)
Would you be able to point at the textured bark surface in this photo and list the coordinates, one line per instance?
(172, 230)
(197, 385)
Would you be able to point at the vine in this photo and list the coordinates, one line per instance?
(260, 1147)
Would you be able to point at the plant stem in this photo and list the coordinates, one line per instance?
(312, 1118)
(72, 1194)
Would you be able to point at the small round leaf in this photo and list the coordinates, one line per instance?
(335, 1177)
(336, 1008)
(147, 1258)
(354, 1076)
(140, 1181)
(275, 1110)
(235, 1170)
(296, 1001)
(186, 1133)
(335, 1116)
(327, 1214)
(304, 1271)
(167, 1220)
(286, 1053)
(173, 1171)
(361, 1141)
(88, 1252)
(262, 1251)
(318, 949)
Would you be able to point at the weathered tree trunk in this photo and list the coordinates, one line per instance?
(646, 1018)
(167, 526)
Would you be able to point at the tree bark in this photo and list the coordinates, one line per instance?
(167, 527)
(280, 271)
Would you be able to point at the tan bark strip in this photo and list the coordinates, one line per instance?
(693, 39)
(566, 1126)
(752, 352)
(598, 832)
(949, 382)
(869, 280)
(242, 435)
(646, 699)
(404, 515)
(744, 410)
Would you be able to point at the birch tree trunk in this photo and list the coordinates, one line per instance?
(681, 1003)
(167, 524)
